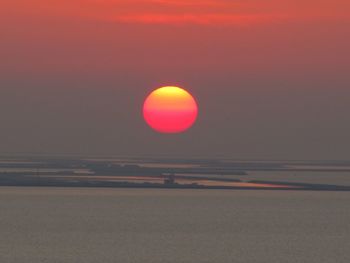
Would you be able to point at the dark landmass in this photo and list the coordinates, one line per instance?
(160, 173)
(126, 184)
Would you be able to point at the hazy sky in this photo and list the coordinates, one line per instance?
(271, 77)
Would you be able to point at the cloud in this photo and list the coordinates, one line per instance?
(224, 12)
(196, 19)
(202, 3)
(181, 12)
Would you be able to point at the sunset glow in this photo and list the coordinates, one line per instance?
(268, 75)
(170, 110)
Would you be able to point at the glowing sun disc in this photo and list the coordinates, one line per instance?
(170, 109)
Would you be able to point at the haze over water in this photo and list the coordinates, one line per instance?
(149, 225)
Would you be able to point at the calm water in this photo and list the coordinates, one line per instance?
(151, 226)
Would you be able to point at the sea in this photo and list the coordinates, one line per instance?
(109, 225)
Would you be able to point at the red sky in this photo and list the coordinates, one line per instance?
(202, 12)
(193, 28)
(286, 59)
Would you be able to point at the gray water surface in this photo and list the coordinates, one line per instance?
(172, 225)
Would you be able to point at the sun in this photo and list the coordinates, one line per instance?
(170, 109)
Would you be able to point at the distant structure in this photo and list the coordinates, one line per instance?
(169, 179)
